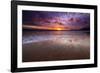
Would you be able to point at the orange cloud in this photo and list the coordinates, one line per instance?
(57, 27)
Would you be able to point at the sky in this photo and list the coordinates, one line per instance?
(51, 20)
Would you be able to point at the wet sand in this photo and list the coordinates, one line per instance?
(72, 47)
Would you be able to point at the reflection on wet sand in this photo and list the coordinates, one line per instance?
(55, 45)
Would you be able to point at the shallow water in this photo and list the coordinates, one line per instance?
(37, 36)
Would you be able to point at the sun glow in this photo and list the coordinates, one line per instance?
(58, 29)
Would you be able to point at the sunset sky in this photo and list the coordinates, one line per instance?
(55, 20)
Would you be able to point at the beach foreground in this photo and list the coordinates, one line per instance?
(55, 45)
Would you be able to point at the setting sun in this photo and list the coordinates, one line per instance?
(58, 29)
